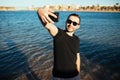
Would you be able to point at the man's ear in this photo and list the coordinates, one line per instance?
(78, 26)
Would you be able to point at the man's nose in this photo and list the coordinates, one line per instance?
(71, 24)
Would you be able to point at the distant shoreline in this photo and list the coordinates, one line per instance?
(76, 8)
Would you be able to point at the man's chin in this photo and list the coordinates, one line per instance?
(70, 31)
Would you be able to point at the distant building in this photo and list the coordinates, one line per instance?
(98, 8)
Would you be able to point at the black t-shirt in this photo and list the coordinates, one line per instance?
(65, 55)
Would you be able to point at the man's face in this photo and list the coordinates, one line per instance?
(72, 24)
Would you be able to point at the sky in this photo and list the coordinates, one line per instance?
(40, 3)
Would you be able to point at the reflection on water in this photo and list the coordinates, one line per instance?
(14, 63)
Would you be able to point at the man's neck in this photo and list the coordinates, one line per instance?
(70, 33)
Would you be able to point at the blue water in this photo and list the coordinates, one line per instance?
(24, 42)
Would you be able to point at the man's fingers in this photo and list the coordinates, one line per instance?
(50, 10)
(45, 20)
(44, 14)
(52, 14)
(49, 20)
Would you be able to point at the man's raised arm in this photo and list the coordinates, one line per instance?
(43, 14)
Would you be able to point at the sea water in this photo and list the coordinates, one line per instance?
(24, 42)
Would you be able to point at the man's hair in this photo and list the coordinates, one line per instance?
(76, 15)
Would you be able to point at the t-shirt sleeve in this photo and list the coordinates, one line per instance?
(78, 49)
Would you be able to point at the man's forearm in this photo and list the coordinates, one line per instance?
(78, 62)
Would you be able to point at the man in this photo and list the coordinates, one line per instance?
(66, 45)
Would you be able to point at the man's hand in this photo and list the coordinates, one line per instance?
(44, 13)
(78, 62)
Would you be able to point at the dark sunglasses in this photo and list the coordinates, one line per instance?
(70, 21)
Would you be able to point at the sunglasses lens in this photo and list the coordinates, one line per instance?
(70, 21)
(74, 23)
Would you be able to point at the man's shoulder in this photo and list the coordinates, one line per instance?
(60, 32)
(60, 29)
(76, 36)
